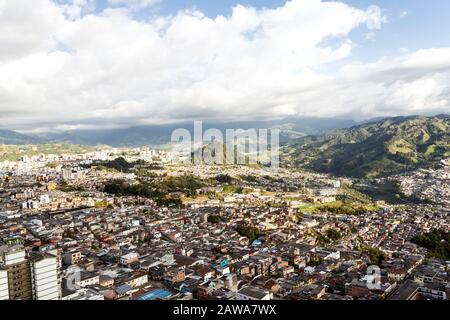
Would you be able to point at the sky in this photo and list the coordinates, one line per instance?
(86, 64)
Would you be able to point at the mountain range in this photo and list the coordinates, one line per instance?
(13, 137)
(374, 149)
(341, 147)
(157, 135)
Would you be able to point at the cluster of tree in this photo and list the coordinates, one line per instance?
(321, 240)
(160, 191)
(231, 189)
(169, 202)
(376, 255)
(65, 187)
(216, 219)
(350, 195)
(187, 184)
(252, 233)
(120, 187)
(315, 262)
(119, 164)
(249, 178)
(330, 236)
(224, 178)
(333, 234)
(151, 213)
(144, 173)
(273, 179)
(342, 208)
(217, 251)
(437, 242)
(402, 158)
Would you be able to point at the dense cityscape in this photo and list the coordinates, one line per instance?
(224, 159)
(132, 224)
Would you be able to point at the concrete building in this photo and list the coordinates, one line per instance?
(85, 294)
(252, 293)
(4, 291)
(129, 258)
(32, 276)
(17, 268)
(72, 257)
(44, 276)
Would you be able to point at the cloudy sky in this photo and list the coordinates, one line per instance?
(67, 64)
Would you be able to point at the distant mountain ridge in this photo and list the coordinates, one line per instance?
(156, 135)
(375, 148)
(343, 147)
(13, 137)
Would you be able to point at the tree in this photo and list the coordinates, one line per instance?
(376, 256)
(215, 219)
(224, 178)
(437, 242)
(252, 233)
(333, 234)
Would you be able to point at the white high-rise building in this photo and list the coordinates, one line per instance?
(13, 256)
(44, 276)
(14, 263)
(4, 289)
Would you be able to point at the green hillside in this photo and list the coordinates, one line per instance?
(16, 138)
(374, 149)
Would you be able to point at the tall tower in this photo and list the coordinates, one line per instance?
(17, 268)
(35, 276)
(44, 276)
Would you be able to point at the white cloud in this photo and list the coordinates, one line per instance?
(107, 68)
(134, 4)
(73, 9)
(26, 28)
